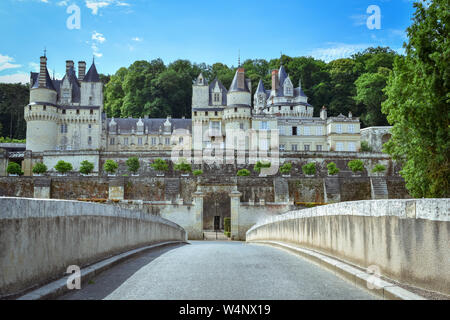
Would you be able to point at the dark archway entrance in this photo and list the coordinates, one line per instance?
(216, 207)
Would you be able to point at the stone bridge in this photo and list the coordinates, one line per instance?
(127, 254)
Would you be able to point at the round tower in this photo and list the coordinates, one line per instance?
(41, 113)
(238, 113)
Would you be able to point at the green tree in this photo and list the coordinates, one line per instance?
(309, 169)
(86, 167)
(110, 166)
(183, 166)
(13, 99)
(332, 169)
(160, 165)
(14, 168)
(133, 164)
(417, 103)
(369, 92)
(243, 173)
(63, 166)
(356, 165)
(39, 168)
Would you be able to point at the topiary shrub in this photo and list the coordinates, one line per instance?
(86, 167)
(14, 168)
(183, 166)
(379, 168)
(243, 173)
(286, 168)
(133, 164)
(110, 166)
(259, 165)
(365, 147)
(356, 165)
(160, 165)
(63, 166)
(39, 168)
(309, 169)
(198, 172)
(332, 169)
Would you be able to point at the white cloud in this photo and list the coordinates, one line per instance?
(19, 77)
(359, 19)
(62, 3)
(5, 63)
(95, 5)
(34, 66)
(97, 36)
(337, 51)
(137, 39)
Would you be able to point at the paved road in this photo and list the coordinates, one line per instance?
(218, 270)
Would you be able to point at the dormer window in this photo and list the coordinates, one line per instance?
(216, 97)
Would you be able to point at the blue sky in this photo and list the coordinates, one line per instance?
(118, 32)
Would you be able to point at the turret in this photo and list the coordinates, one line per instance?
(41, 113)
(200, 92)
(260, 97)
(92, 89)
(323, 113)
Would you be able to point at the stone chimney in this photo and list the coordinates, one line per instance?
(350, 115)
(69, 64)
(241, 78)
(274, 80)
(81, 70)
(323, 113)
(43, 72)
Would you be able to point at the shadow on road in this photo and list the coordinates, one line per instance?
(109, 280)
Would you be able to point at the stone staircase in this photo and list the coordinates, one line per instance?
(212, 236)
(379, 188)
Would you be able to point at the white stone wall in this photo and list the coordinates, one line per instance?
(91, 94)
(200, 96)
(239, 97)
(41, 135)
(43, 95)
(51, 159)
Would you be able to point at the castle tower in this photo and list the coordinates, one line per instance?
(260, 97)
(41, 113)
(200, 92)
(238, 113)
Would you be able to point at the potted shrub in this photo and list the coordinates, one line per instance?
(259, 165)
(160, 166)
(197, 172)
(133, 165)
(86, 168)
(184, 167)
(243, 173)
(285, 169)
(379, 169)
(14, 169)
(110, 167)
(309, 169)
(356, 166)
(39, 168)
(63, 167)
(332, 169)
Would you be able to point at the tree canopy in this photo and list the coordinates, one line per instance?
(417, 104)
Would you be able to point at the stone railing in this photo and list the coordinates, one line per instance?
(39, 239)
(408, 240)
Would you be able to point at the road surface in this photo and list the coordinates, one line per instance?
(205, 270)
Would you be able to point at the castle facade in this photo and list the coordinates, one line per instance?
(68, 115)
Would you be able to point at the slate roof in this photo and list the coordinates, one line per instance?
(152, 125)
(260, 88)
(234, 84)
(48, 81)
(224, 92)
(92, 74)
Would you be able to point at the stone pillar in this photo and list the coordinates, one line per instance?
(42, 189)
(116, 189)
(27, 164)
(235, 197)
(197, 228)
(3, 162)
